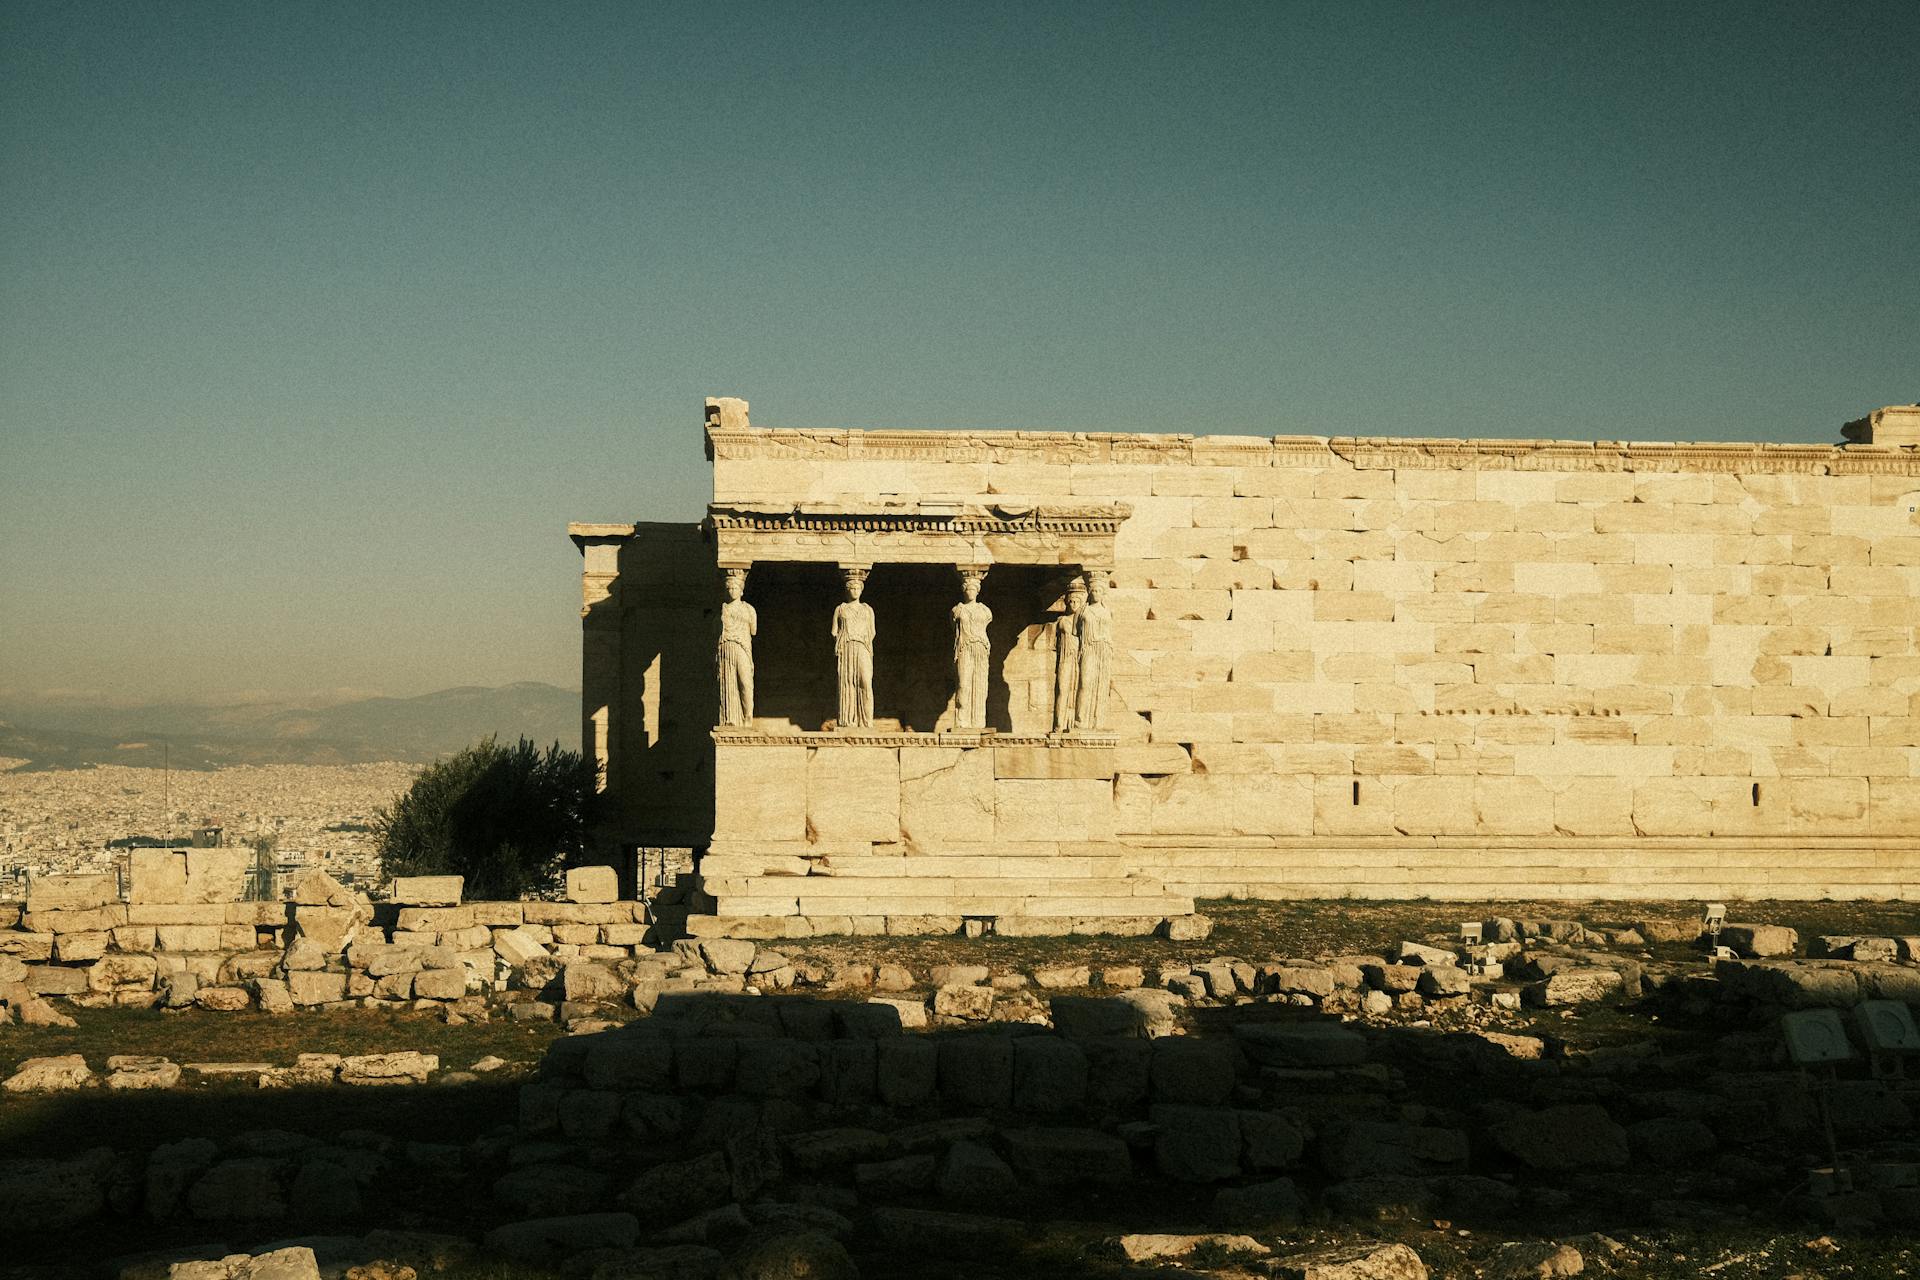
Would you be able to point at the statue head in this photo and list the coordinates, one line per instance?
(1076, 595)
(969, 587)
(736, 584)
(856, 583)
(1097, 587)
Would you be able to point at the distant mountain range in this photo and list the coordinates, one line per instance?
(64, 735)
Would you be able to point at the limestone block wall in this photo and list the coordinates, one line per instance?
(918, 836)
(1393, 668)
(179, 939)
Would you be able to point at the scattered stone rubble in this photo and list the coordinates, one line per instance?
(690, 1115)
(594, 959)
(726, 1124)
(182, 939)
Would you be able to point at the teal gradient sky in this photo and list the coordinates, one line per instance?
(319, 321)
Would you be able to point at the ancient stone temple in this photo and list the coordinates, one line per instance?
(900, 679)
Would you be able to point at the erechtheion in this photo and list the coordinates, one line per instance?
(901, 678)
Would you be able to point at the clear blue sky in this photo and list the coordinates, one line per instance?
(319, 321)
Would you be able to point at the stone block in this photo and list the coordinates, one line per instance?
(779, 1069)
(520, 945)
(48, 1075)
(1052, 809)
(176, 913)
(312, 986)
(629, 1060)
(1366, 1149)
(1564, 1139)
(766, 790)
(946, 795)
(963, 1000)
(216, 875)
(1578, 985)
(427, 891)
(1049, 1074)
(1759, 940)
(71, 893)
(593, 884)
(260, 915)
(587, 981)
(55, 980)
(1196, 1144)
(976, 1071)
(188, 937)
(440, 984)
(88, 920)
(401, 1067)
(1194, 1070)
(557, 913)
(972, 1172)
(135, 938)
(433, 919)
(330, 929)
(157, 876)
(853, 793)
(73, 948)
(1063, 763)
(1069, 1157)
(26, 945)
(727, 955)
(906, 1070)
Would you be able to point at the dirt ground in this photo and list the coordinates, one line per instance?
(1309, 929)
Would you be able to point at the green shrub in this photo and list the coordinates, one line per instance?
(509, 819)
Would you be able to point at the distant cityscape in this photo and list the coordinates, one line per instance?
(62, 821)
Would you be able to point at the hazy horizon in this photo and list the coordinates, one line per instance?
(320, 323)
(243, 697)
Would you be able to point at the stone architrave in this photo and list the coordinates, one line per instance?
(733, 660)
(853, 648)
(1096, 657)
(972, 654)
(1066, 657)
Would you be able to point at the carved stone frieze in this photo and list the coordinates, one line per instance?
(926, 532)
(1365, 452)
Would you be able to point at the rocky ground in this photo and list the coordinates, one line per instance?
(1341, 1093)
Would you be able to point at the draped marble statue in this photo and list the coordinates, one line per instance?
(971, 653)
(733, 659)
(1096, 658)
(853, 646)
(1066, 658)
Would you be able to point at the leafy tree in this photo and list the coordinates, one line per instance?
(509, 819)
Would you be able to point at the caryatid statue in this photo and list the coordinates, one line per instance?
(1066, 657)
(1096, 657)
(733, 660)
(853, 646)
(971, 653)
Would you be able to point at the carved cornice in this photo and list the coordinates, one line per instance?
(928, 532)
(729, 737)
(1368, 452)
(964, 520)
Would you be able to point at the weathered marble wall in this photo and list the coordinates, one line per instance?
(1391, 668)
